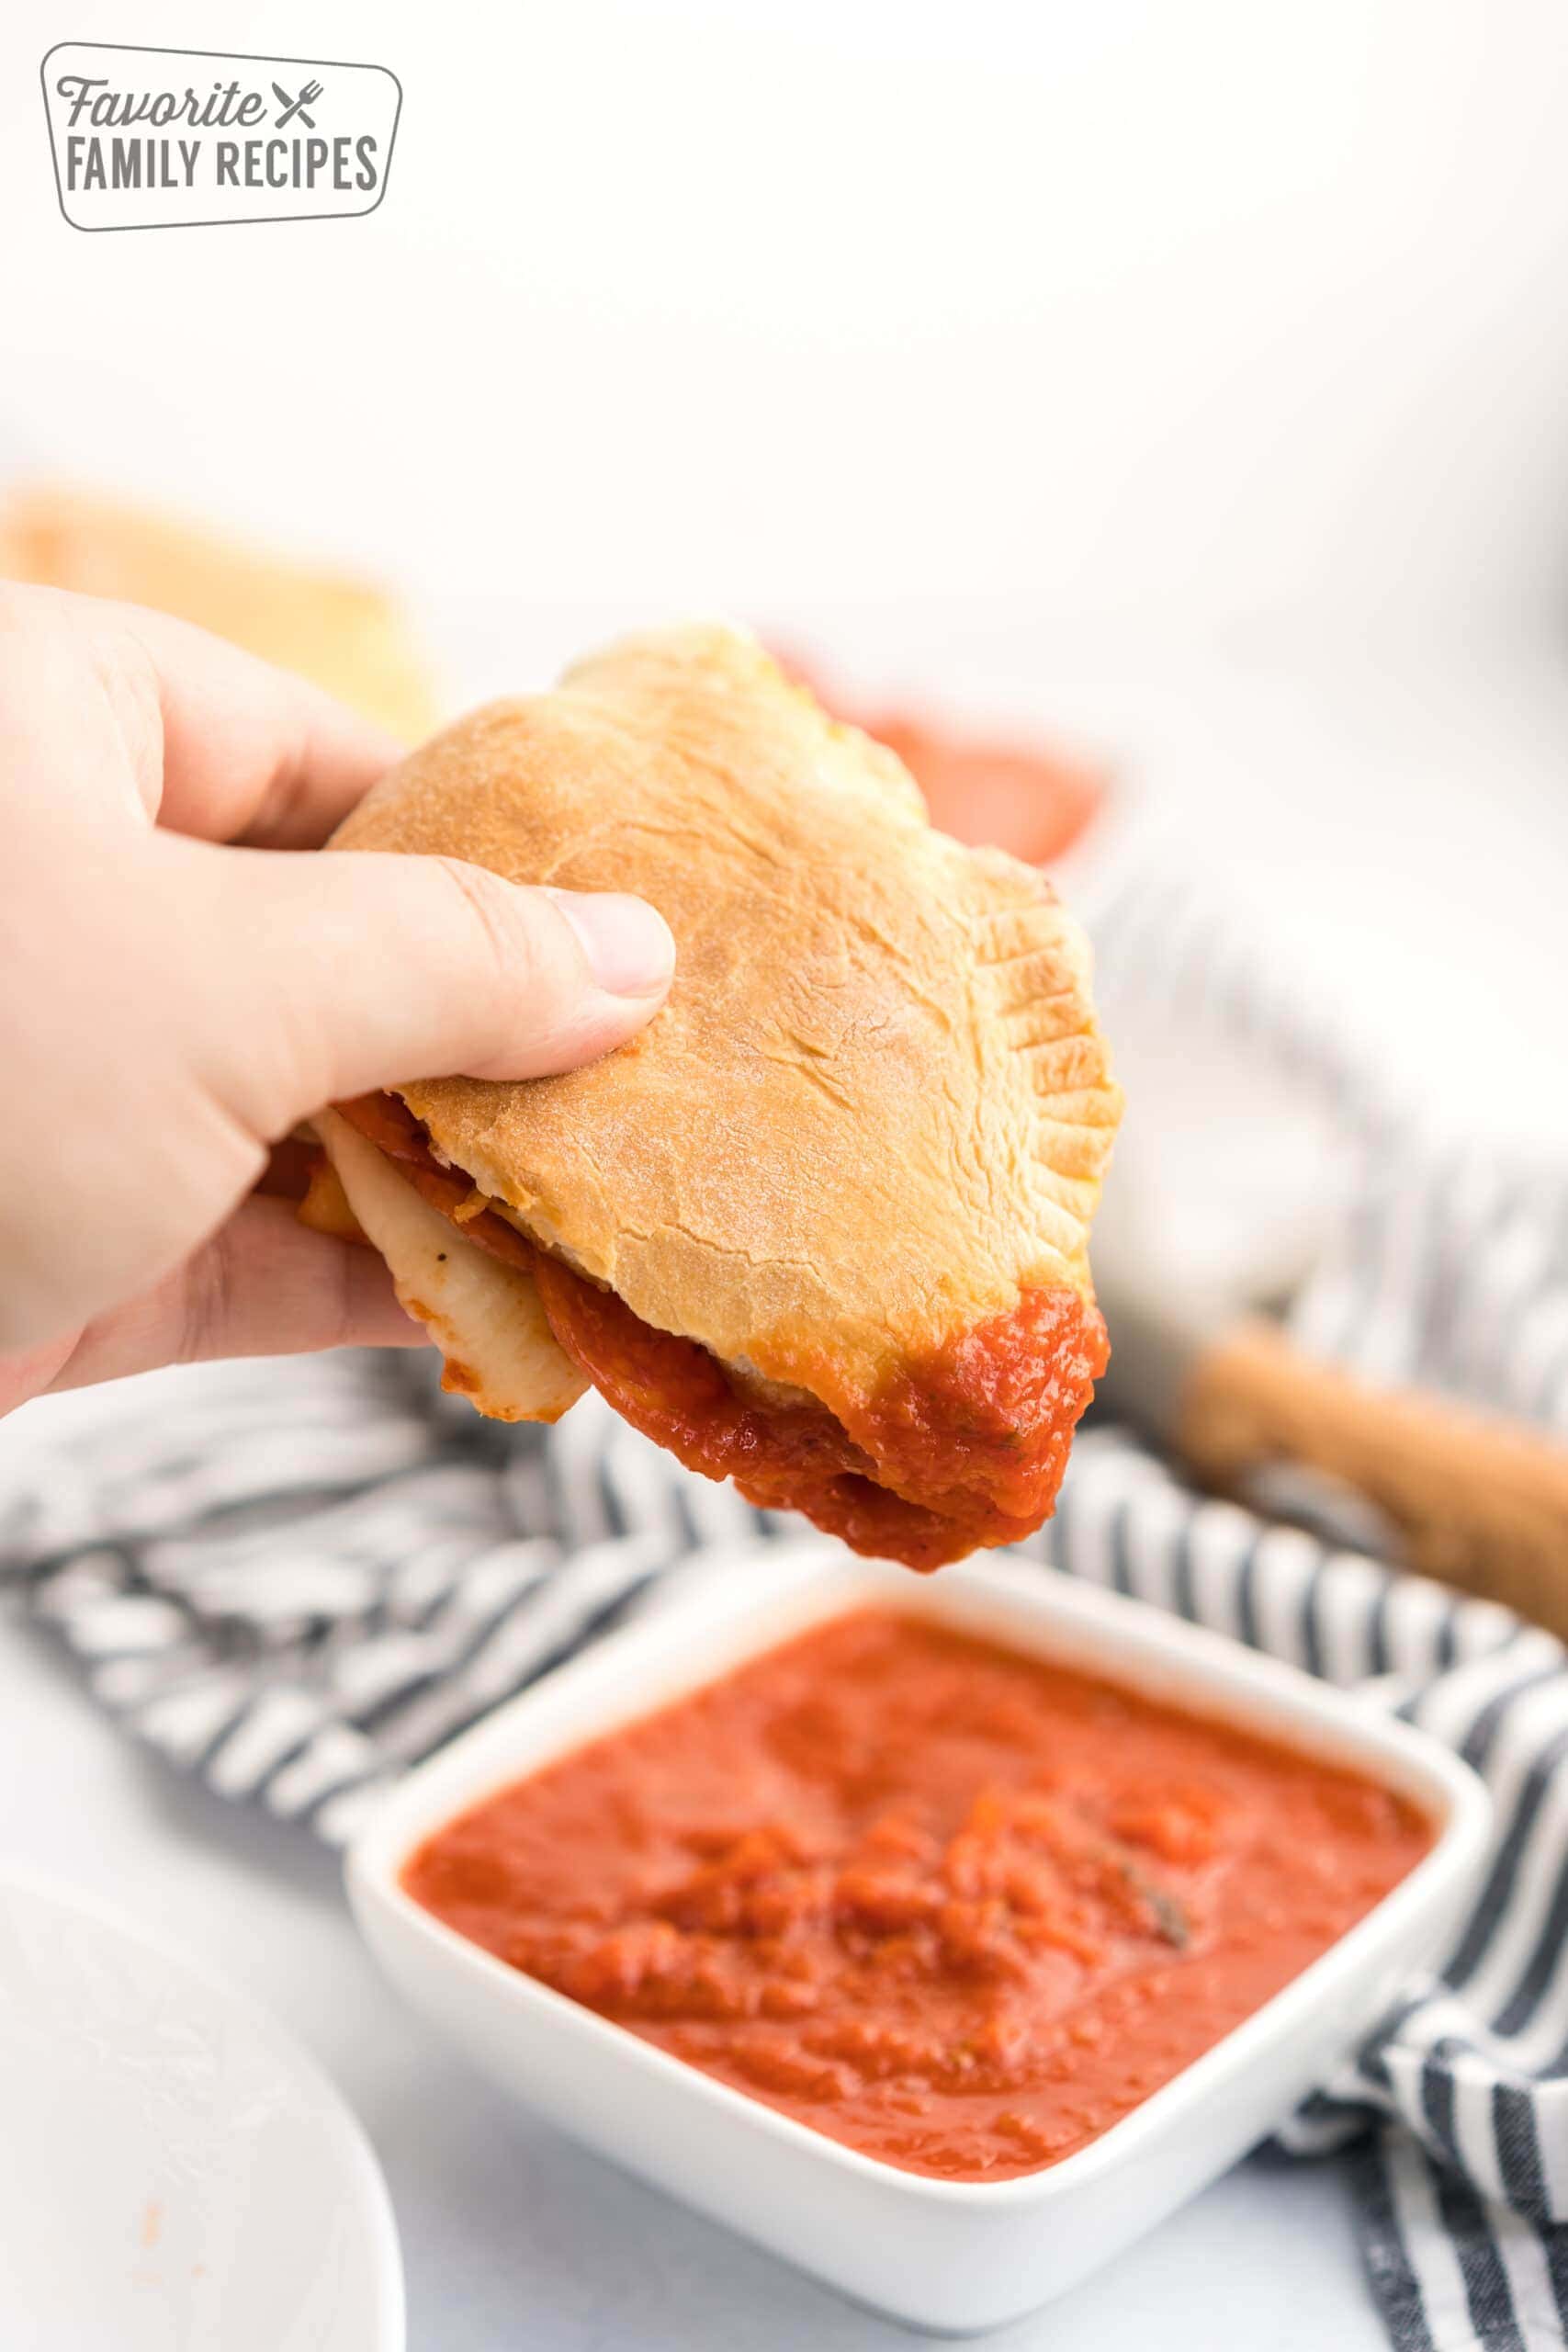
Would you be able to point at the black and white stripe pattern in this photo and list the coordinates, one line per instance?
(307, 1576)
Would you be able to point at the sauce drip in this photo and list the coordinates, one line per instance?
(963, 1449)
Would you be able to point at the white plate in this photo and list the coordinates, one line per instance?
(176, 2175)
(951, 2255)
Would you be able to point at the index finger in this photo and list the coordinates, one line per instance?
(250, 754)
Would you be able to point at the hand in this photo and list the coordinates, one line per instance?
(169, 1008)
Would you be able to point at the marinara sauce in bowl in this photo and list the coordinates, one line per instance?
(956, 1907)
(942, 1935)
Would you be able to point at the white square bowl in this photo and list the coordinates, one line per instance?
(949, 2256)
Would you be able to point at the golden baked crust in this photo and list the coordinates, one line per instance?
(876, 1110)
(345, 635)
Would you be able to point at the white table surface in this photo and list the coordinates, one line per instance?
(511, 2236)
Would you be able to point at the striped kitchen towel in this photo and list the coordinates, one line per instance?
(297, 1579)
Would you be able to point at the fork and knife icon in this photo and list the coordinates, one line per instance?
(293, 106)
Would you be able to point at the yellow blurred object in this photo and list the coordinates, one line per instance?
(348, 636)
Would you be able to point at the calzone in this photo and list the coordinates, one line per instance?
(821, 1228)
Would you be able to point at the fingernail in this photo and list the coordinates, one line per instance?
(627, 941)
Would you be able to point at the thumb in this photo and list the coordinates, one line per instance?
(340, 973)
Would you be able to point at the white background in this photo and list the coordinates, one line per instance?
(1195, 376)
(1028, 352)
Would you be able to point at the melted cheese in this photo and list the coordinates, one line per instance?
(486, 1317)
